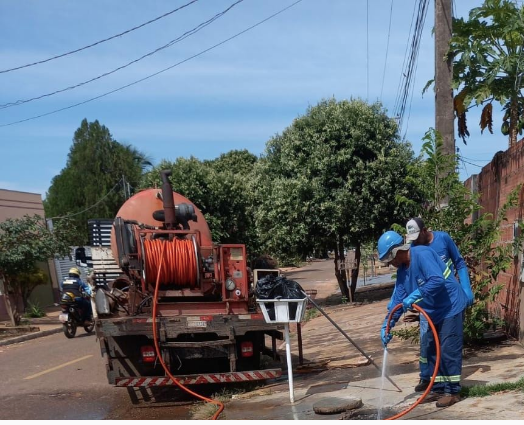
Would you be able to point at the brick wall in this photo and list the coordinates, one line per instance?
(494, 183)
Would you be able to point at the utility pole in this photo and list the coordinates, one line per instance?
(444, 114)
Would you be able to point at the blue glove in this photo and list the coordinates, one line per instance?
(386, 338)
(466, 285)
(412, 298)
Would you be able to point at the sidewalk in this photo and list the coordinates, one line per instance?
(337, 371)
(48, 325)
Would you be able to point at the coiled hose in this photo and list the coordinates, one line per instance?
(180, 256)
(157, 347)
(437, 362)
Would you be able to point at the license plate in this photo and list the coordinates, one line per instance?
(196, 324)
(63, 317)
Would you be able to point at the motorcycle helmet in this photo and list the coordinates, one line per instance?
(73, 271)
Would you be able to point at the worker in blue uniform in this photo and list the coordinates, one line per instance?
(443, 245)
(425, 280)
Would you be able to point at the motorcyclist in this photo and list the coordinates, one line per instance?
(81, 291)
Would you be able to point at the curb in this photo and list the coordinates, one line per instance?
(28, 337)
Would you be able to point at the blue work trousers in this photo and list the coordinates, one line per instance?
(425, 372)
(451, 340)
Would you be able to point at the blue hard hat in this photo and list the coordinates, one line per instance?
(387, 242)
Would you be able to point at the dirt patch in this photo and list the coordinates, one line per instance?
(13, 331)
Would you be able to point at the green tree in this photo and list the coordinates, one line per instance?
(488, 60)
(92, 183)
(218, 188)
(25, 242)
(330, 181)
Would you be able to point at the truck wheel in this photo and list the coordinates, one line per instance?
(69, 329)
(89, 328)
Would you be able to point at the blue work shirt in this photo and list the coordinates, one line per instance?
(447, 250)
(442, 296)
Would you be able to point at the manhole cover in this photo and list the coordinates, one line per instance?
(331, 405)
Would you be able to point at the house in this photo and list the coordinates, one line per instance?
(494, 183)
(14, 204)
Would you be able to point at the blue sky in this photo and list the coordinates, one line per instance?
(236, 96)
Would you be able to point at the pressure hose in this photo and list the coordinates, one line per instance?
(437, 362)
(157, 347)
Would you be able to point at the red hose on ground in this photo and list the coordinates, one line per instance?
(437, 362)
(157, 347)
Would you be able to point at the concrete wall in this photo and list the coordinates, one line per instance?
(14, 204)
(494, 183)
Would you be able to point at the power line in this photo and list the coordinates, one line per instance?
(478, 160)
(409, 73)
(92, 206)
(397, 99)
(387, 50)
(156, 73)
(367, 49)
(165, 46)
(470, 163)
(99, 42)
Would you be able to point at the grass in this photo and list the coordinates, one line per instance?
(34, 310)
(311, 314)
(206, 410)
(489, 389)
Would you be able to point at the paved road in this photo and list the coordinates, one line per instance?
(320, 275)
(56, 378)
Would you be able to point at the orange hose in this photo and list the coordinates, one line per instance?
(179, 254)
(437, 362)
(157, 347)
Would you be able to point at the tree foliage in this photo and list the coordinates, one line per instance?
(25, 242)
(91, 184)
(330, 181)
(219, 189)
(488, 61)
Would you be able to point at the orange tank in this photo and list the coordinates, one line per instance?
(140, 207)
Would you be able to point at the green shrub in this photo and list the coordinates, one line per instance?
(34, 310)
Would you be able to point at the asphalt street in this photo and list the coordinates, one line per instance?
(56, 378)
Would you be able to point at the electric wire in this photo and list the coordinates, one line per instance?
(156, 73)
(92, 206)
(165, 46)
(411, 99)
(387, 50)
(409, 74)
(367, 49)
(399, 88)
(478, 160)
(100, 41)
(470, 163)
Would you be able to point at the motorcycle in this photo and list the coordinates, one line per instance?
(72, 316)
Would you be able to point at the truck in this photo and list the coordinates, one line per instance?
(177, 305)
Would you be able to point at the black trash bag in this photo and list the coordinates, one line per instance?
(274, 287)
